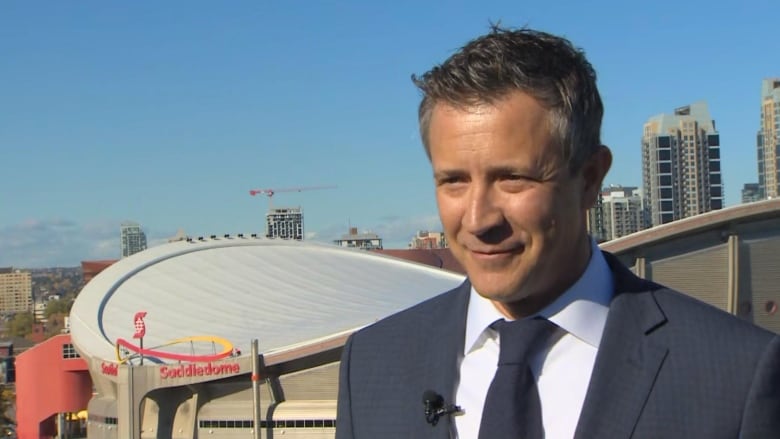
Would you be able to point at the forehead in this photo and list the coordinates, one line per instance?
(516, 104)
(510, 135)
(516, 121)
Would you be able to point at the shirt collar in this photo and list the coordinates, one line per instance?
(581, 310)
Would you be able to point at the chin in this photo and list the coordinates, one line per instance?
(504, 294)
(499, 282)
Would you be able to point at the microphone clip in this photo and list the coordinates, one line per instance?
(435, 407)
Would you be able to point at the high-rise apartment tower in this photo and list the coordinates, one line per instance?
(623, 211)
(285, 223)
(681, 164)
(133, 239)
(619, 211)
(768, 140)
(595, 220)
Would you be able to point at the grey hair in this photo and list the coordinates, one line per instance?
(545, 66)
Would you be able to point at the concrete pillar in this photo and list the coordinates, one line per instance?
(132, 387)
(640, 267)
(732, 301)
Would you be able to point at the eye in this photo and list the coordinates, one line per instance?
(516, 182)
(448, 180)
(451, 180)
(515, 177)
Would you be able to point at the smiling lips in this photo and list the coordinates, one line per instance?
(495, 253)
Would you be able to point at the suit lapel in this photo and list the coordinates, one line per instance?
(628, 360)
(444, 348)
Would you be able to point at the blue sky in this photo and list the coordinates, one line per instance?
(168, 113)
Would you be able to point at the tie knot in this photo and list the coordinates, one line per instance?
(518, 338)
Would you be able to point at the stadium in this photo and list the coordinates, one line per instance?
(167, 334)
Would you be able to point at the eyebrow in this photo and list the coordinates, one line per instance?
(446, 173)
(499, 170)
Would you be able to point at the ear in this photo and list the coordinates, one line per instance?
(593, 172)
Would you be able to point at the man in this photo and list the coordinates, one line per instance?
(511, 125)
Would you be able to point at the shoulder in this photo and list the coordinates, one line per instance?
(686, 312)
(683, 318)
(687, 322)
(399, 345)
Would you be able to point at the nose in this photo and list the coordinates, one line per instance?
(483, 211)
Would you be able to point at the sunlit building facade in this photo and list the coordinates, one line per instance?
(768, 140)
(425, 239)
(623, 211)
(15, 290)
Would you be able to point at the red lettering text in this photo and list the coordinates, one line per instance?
(193, 370)
(109, 369)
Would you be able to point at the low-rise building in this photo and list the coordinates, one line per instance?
(425, 239)
(364, 240)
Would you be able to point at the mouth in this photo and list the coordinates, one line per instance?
(493, 253)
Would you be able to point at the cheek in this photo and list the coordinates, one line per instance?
(533, 211)
(448, 211)
(565, 218)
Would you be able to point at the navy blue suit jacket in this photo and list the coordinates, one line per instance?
(668, 366)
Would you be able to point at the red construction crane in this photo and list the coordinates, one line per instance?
(270, 192)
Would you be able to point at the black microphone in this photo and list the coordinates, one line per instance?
(435, 408)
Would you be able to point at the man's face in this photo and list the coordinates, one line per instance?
(512, 212)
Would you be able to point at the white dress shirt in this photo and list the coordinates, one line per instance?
(562, 368)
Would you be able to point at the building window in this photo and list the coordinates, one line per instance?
(716, 204)
(714, 166)
(715, 192)
(288, 423)
(107, 420)
(69, 352)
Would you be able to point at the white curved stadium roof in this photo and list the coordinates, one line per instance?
(284, 293)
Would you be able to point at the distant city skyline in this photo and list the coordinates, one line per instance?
(169, 113)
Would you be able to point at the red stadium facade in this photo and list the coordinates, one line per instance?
(51, 378)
